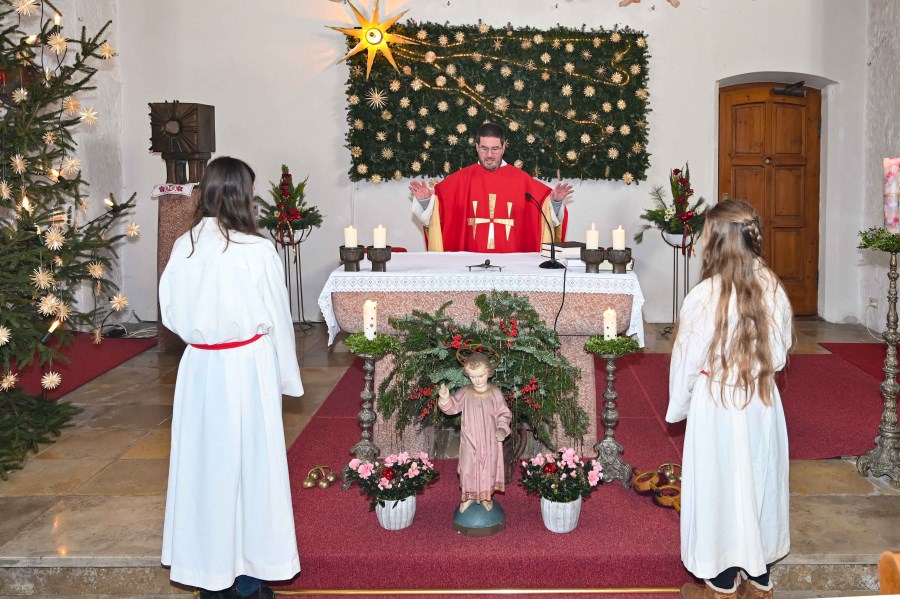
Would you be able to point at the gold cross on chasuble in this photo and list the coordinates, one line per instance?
(492, 204)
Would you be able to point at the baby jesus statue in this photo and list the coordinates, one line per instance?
(485, 423)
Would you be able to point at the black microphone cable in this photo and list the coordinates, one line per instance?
(553, 259)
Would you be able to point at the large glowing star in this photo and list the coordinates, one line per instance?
(373, 36)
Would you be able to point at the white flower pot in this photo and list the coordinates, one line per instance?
(396, 514)
(560, 517)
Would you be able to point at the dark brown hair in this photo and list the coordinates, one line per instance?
(490, 130)
(226, 194)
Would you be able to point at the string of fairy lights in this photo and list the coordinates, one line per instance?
(573, 102)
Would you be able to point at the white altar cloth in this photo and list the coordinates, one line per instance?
(447, 271)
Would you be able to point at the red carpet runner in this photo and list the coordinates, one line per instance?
(623, 540)
(869, 357)
(86, 362)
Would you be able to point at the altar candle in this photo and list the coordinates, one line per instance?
(350, 237)
(891, 187)
(592, 238)
(609, 323)
(370, 319)
(618, 237)
(379, 237)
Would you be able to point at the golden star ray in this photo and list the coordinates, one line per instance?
(373, 36)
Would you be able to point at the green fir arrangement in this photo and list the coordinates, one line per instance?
(57, 241)
(288, 218)
(574, 102)
(379, 346)
(879, 238)
(611, 348)
(538, 383)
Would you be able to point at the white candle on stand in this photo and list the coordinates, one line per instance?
(609, 323)
(350, 237)
(618, 237)
(379, 237)
(370, 319)
(592, 239)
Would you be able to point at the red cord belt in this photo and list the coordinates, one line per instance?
(229, 345)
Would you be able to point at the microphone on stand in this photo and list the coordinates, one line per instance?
(551, 263)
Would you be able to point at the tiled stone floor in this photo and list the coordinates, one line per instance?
(84, 517)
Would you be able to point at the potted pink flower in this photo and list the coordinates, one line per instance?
(391, 484)
(562, 479)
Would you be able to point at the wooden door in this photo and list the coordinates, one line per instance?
(769, 157)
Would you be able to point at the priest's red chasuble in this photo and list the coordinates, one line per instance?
(478, 210)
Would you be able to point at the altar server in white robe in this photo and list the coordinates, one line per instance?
(735, 329)
(229, 520)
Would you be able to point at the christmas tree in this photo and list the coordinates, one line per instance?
(56, 252)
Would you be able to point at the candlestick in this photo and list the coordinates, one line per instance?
(350, 237)
(891, 201)
(609, 323)
(370, 319)
(592, 238)
(618, 238)
(379, 237)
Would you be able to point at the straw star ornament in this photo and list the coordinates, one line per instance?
(373, 36)
(9, 381)
(5, 335)
(51, 380)
(119, 302)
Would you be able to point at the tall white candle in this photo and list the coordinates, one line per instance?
(618, 238)
(350, 237)
(370, 319)
(592, 238)
(609, 323)
(891, 200)
(379, 237)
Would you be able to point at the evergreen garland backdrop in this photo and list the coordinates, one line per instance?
(573, 102)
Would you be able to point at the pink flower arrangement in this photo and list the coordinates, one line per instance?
(561, 476)
(394, 477)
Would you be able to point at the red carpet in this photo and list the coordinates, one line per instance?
(869, 357)
(86, 362)
(622, 541)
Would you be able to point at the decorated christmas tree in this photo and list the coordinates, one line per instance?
(57, 239)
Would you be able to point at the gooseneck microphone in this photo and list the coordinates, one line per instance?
(551, 263)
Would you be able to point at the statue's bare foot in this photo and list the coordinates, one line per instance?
(488, 505)
(464, 505)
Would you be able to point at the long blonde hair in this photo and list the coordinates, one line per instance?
(732, 251)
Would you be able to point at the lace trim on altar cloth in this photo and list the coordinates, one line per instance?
(418, 272)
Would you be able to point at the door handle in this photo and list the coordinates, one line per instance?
(768, 160)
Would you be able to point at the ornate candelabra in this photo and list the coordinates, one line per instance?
(609, 451)
(884, 459)
(365, 450)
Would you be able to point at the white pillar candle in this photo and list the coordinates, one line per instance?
(350, 238)
(609, 323)
(592, 238)
(618, 238)
(379, 237)
(370, 319)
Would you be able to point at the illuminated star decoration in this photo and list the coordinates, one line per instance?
(373, 36)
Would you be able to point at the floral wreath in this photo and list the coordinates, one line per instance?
(465, 352)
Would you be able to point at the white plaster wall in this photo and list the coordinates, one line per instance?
(882, 138)
(269, 70)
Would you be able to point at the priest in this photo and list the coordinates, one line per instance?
(490, 206)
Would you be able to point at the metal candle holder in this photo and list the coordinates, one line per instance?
(364, 450)
(379, 257)
(351, 256)
(884, 459)
(592, 259)
(609, 451)
(619, 259)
